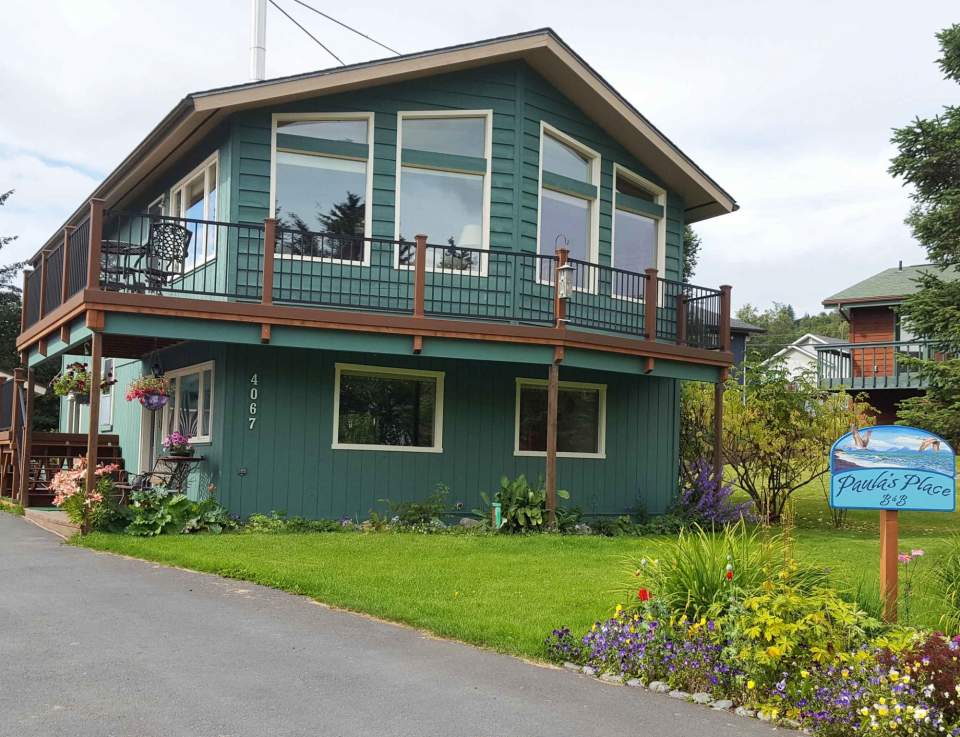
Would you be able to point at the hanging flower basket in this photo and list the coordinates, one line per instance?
(80, 397)
(151, 391)
(74, 382)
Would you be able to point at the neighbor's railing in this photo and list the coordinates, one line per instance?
(145, 253)
(874, 365)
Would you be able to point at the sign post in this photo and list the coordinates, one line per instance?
(893, 469)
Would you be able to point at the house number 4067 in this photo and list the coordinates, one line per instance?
(254, 395)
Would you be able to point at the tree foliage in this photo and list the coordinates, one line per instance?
(782, 327)
(777, 431)
(691, 253)
(928, 160)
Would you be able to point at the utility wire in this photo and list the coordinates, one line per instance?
(294, 21)
(344, 25)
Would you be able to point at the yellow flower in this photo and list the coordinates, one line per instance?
(845, 673)
(773, 651)
(804, 674)
(751, 685)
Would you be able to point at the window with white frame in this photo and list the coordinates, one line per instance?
(194, 198)
(106, 395)
(581, 419)
(379, 408)
(569, 190)
(639, 229)
(443, 192)
(190, 408)
(322, 183)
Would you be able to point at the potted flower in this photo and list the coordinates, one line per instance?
(178, 444)
(74, 381)
(151, 391)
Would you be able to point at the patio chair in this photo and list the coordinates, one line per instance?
(166, 254)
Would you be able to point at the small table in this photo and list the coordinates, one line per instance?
(121, 265)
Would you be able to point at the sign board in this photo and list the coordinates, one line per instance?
(893, 468)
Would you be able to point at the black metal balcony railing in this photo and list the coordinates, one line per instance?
(182, 257)
(875, 365)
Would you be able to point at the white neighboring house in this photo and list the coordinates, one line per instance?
(801, 354)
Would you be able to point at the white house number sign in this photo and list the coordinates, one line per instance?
(254, 396)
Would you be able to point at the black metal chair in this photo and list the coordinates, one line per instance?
(166, 255)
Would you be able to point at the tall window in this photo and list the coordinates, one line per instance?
(190, 409)
(322, 183)
(569, 214)
(387, 409)
(638, 229)
(581, 416)
(194, 198)
(106, 395)
(443, 171)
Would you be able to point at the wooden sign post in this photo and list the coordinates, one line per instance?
(893, 469)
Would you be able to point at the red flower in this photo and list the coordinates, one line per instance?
(643, 595)
(729, 575)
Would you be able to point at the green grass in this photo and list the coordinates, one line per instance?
(504, 592)
(11, 507)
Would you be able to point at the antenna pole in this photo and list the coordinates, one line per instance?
(258, 40)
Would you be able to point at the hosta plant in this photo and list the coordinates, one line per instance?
(523, 506)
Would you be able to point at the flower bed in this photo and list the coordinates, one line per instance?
(785, 646)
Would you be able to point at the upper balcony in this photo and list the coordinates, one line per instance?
(273, 275)
(867, 366)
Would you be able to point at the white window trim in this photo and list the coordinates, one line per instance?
(399, 373)
(112, 391)
(487, 115)
(660, 197)
(601, 420)
(593, 249)
(202, 168)
(174, 405)
(368, 194)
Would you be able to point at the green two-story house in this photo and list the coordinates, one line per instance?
(362, 282)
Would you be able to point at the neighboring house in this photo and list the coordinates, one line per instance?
(801, 354)
(740, 333)
(870, 361)
(259, 250)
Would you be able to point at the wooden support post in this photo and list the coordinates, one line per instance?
(269, 251)
(725, 344)
(559, 305)
(27, 448)
(43, 284)
(651, 296)
(681, 319)
(417, 343)
(65, 269)
(93, 426)
(553, 390)
(420, 276)
(889, 529)
(718, 430)
(16, 421)
(96, 238)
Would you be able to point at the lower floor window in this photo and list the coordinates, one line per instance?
(581, 415)
(388, 409)
(190, 408)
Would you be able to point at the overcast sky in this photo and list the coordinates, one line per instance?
(788, 106)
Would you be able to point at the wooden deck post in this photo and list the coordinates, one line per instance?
(889, 529)
(651, 296)
(93, 427)
(26, 449)
(718, 427)
(553, 390)
(681, 319)
(43, 284)
(420, 276)
(96, 237)
(269, 249)
(16, 420)
(725, 290)
(559, 305)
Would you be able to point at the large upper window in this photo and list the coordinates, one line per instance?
(638, 226)
(569, 214)
(387, 409)
(443, 171)
(581, 416)
(321, 183)
(190, 408)
(194, 199)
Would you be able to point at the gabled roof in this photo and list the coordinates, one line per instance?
(890, 285)
(739, 326)
(198, 113)
(803, 345)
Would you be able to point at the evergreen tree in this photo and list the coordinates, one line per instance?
(929, 161)
(691, 253)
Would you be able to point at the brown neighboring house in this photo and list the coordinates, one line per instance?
(871, 362)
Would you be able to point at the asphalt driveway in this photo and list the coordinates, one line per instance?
(97, 645)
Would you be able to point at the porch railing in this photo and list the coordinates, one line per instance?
(143, 253)
(874, 365)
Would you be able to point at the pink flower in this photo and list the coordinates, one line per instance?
(917, 553)
(904, 558)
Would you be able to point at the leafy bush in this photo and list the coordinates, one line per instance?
(93, 509)
(420, 512)
(706, 501)
(276, 522)
(523, 506)
(208, 516)
(158, 511)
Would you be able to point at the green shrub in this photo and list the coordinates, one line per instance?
(523, 506)
(412, 513)
(158, 511)
(277, 522)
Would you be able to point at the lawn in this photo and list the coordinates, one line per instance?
(500, 591)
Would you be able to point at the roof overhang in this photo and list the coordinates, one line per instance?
(864, 301)
(199, 113)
